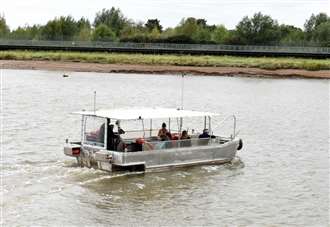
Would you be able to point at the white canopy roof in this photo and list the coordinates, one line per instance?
(144, 113)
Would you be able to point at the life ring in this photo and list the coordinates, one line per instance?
(240, 144)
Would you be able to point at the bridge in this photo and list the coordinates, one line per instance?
(168, 48)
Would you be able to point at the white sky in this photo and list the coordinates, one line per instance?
(169, 12)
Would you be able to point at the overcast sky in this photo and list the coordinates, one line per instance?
(169, 12)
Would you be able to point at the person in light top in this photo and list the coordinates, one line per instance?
(163, 132)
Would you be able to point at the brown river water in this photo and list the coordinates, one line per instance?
(279, 178)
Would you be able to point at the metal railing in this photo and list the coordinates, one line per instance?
(193, 142)
(165, 46)
(233, 117)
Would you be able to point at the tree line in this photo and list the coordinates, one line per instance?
(110, 25)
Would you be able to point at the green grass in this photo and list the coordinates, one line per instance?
(271, 63)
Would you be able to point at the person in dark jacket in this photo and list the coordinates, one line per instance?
(205, 134)
(120, 130)
(204, 137)
(110, 138)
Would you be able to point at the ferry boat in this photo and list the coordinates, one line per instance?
(138, 146)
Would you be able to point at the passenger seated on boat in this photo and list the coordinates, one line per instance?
(204, 137)
(205, 134)
(168, 143)
(184, 135)
(169, 136)
(185, 139)
(163, 133)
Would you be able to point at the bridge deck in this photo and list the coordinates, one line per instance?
(166, 48)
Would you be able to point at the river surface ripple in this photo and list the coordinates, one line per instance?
(281, 177)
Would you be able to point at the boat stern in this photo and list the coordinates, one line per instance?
(72, 149)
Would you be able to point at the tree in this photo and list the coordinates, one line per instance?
(154, 35)
(136, 32)
(178, 39)
(21, 33)
(260, 29)
(84, 30)
(322, 34)
(193, 29)
(187, 27)
(63, 28)
(84, 34)
(220, 34)
(313, 22)
(103, 33)
(202, 35)
(4, 29)
(112, 18)
(112, 25)
(26, 33)
(291, 35)
(131, 29)
(83, 23)
(201, 23)
(153, 24)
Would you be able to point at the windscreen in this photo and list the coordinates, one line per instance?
(94, 131)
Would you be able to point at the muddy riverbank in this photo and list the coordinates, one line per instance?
(160, 69)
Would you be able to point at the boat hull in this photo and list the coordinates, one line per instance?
(178, 156)
(157, 159)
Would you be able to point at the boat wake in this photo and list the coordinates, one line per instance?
(108, 177)
(236, 163)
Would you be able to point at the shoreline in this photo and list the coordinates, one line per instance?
(68, 66)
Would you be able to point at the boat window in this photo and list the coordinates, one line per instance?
(94, 131)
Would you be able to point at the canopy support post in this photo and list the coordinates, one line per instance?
(144, 133)
(150, 127)
(82, 128)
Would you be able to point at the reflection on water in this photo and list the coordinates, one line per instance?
(280, 177)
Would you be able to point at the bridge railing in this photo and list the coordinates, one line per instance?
(164, 46)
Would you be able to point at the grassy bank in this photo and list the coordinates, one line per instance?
(178, 60)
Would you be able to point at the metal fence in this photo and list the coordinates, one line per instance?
(113, 46)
